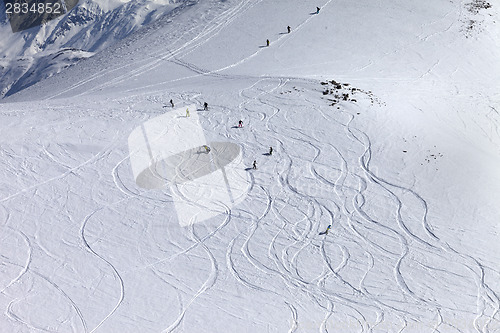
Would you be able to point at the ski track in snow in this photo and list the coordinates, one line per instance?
(287, 263)
(113, 268)
(336, 275)
(211, 279)
(28, 260)
(343, 285)
(212, 28)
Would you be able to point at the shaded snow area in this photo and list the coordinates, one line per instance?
(30, 56)
(120, 212)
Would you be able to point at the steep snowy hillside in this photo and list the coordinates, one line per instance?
(30, 56)
(120, 212)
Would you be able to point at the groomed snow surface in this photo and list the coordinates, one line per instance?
(384, 121)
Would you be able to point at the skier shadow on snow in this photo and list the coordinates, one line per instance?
(235, 126)
(266, 154)
(248, 169)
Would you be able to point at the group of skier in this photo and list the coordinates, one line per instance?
(254, 165)
(240, 125)
(205, 106)
(290, 29)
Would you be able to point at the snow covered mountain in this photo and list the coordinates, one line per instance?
(29, 56)
(383, 118)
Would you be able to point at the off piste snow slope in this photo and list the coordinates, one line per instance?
(384, 121)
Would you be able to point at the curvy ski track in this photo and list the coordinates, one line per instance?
(359, 277)
(376, 271)
(413, 234)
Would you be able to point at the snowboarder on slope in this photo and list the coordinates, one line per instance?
(205, 106)
(289, 29)
(326, 231)
(254, 165)
(317, 10)
(270, 150)
(172, 103)
(187, 112)
(240, 123)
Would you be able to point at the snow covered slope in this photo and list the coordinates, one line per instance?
(384, 121)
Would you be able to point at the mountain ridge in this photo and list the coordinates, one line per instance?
(90, 26)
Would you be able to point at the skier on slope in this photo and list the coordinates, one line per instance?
(205, 106)
(240, 123)
(187, 112)
(254, 165)
(317, 10)
(172, 103)
(270, 150)
(207, 149)
(326, 231)
(289, 29)
(267, 42)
